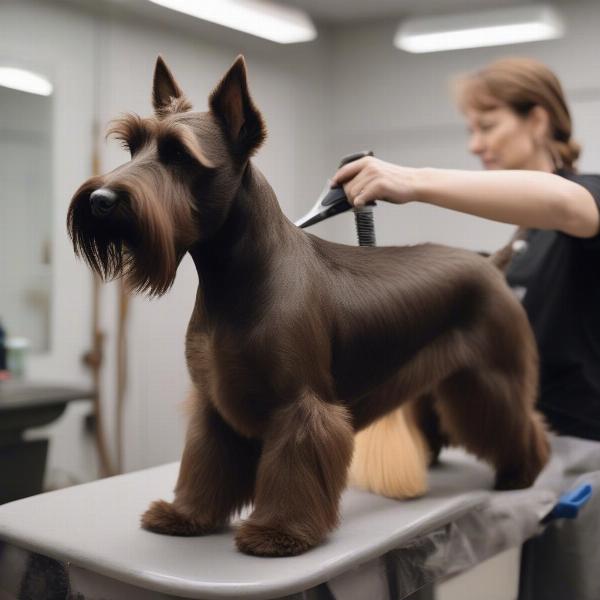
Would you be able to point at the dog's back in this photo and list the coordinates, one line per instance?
(387, 304)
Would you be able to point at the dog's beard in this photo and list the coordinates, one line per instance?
(134, 243)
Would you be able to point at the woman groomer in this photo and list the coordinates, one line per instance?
(520, 128)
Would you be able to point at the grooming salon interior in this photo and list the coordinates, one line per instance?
(299, 299)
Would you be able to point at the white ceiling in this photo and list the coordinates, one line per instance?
(343, 11)
(330, 13)
(335, 11)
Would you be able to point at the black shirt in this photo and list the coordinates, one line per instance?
(560, 277)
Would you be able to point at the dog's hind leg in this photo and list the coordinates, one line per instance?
(425, 418)
(302, 472)
(216, 477)
(488, 412)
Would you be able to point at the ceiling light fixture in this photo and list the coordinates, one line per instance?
(282, 24)
(513, 25)
(24, 81)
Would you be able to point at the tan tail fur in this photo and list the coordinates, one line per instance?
(391, 457)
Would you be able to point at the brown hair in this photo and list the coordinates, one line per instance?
(521, 84)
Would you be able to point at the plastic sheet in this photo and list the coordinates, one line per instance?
(505, 521)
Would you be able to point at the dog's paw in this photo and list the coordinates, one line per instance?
(267, 541)
(163, 517)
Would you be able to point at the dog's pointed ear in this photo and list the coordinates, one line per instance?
(231, 103)
(167, 96)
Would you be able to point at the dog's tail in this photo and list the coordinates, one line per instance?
(391, 457)
(501, 258)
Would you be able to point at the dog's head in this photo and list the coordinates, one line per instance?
(139, 220)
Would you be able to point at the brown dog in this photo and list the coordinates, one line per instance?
(296, 343)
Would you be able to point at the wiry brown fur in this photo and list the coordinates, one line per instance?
(296, 343)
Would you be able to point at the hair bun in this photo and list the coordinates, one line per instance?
(567, 153)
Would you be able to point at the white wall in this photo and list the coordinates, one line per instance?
(350, 90)
(398, 105)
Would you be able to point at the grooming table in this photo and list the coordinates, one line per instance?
(86, 540)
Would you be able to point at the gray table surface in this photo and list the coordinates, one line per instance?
(96, 526)
(22, 394)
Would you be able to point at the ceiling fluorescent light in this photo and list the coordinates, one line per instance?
(24, 81)
(513, 25)
(282, 24)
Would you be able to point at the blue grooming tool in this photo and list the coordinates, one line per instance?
(570, 503)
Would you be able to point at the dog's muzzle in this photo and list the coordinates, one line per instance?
(103, 202)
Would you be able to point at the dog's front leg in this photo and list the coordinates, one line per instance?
(216, 477)
(302, 471)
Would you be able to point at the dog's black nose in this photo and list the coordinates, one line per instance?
(103, 202)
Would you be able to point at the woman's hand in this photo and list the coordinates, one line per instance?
(369, 179)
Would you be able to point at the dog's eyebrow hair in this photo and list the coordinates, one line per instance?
(132, 129)
(188, 140)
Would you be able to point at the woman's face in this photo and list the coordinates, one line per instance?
(501, 138)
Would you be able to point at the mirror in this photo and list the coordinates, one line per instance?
(26, 216)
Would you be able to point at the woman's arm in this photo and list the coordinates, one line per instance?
(525, 198)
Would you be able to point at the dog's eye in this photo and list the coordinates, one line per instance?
(179, 154)
(171, 151)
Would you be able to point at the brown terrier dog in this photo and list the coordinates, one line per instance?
(296, 343)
